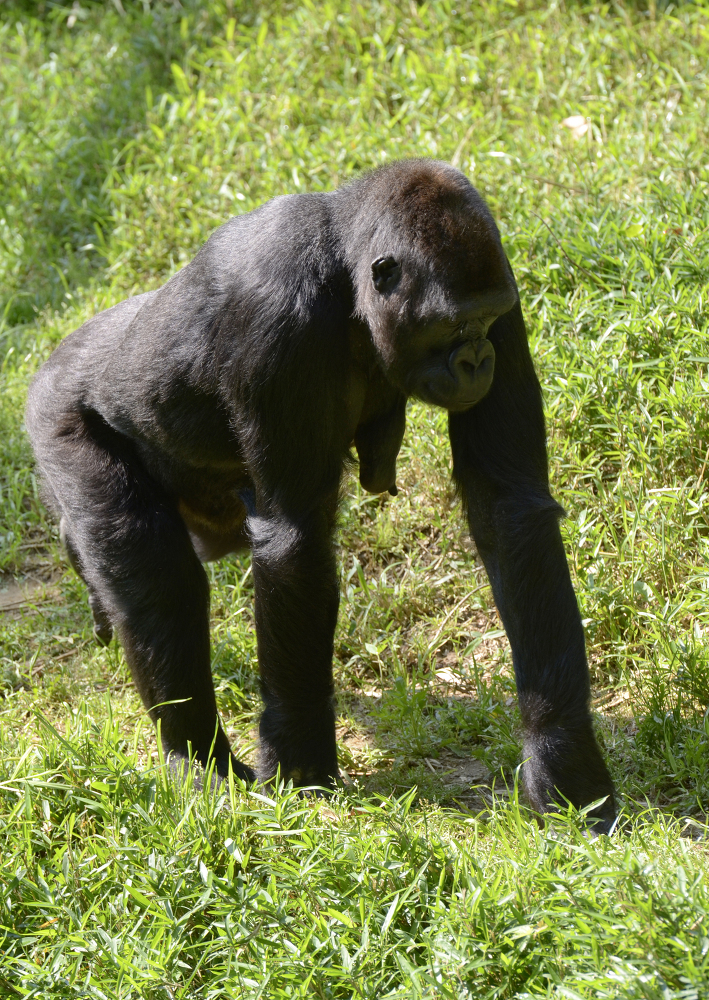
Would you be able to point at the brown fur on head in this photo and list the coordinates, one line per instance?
(435, 215)
(430, 279)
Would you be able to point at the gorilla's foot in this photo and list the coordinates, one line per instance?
(103, 630)
(304, 775)
(299, 747)
(241, 771)
(180, 766)
(563, 764)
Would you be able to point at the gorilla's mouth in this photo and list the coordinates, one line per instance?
(455, 400)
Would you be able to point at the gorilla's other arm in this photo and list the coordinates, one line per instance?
(378, 441)
(500, 464)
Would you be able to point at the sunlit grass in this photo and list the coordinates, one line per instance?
(124, 140)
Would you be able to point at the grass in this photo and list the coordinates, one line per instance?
(128, 131)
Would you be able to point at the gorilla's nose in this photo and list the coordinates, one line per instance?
(471, 365)
(464, 360)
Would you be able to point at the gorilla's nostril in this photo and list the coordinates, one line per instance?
(468, 368)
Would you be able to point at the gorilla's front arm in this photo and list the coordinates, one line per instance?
(500, 465)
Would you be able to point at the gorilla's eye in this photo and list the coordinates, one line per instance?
(386, 271)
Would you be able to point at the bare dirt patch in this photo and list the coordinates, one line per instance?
(24, 596)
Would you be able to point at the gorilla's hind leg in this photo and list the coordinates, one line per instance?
(125, 537)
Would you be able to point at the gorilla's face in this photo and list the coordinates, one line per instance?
(452, 361)
(432, 340)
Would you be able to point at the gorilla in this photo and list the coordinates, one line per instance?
(220, 411)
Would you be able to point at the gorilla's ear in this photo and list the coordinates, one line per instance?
(386, 271)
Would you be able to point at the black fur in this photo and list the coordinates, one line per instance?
(219, 411)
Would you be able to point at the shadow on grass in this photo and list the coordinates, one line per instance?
(73, 117)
